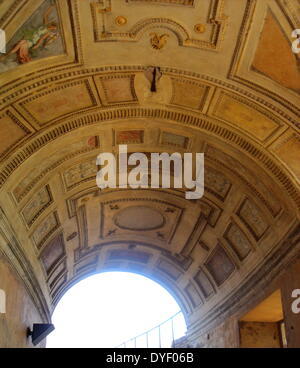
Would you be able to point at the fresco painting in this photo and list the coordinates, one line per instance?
(37, 38)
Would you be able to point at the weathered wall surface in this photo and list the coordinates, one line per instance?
(259, 335)
(224, 336)
(290, 282)
(20, 310)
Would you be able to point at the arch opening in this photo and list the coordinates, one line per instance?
(117, 309)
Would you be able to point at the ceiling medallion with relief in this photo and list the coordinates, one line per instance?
(139, 218)
(199, 28)
(121, 21)
(158, 41)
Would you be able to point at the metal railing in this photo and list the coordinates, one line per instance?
(163, 335)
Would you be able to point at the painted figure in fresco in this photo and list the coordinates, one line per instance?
(35, 38)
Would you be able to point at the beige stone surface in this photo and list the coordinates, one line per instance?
(259, 335)
(20, 311)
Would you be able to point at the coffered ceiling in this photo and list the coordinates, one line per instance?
(227, 85)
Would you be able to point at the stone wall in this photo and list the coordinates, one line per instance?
(225, 335)
(290, 282)
(259, 335)
(21, 312)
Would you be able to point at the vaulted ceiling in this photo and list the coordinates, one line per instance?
(228, 86)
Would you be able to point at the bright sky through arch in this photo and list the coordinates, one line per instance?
(107, 309)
